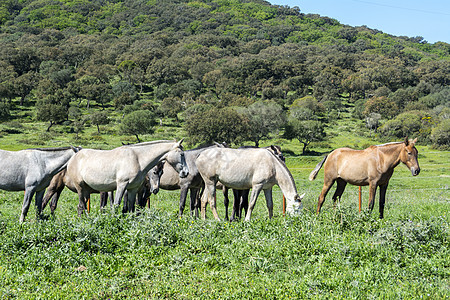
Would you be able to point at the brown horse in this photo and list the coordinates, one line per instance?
(373, 166)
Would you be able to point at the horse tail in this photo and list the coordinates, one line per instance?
(314, 172)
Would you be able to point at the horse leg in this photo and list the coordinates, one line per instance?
(49, 195)
(83, 197)
(111, 198)
(236, 208)
(54, 202)
(197, 203)
(255, 192)
(383, 189)
(183, 196)
(125, 202)
(193, 204)
(204, 201)
(269, 202)
(131, 199)
(29, 193)
(103, 199)
(326, 187)
(120, 192)
(38, 202)
(244, 202)
(226, 201)
(339, 190)
(372, 192)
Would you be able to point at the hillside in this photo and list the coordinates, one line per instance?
(67, 65)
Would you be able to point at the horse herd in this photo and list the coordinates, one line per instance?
(134, 171)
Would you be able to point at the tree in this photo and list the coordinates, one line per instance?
(440, 135)
(99, 118)
(264, 117)
(4, 112)
(223, 125)
(170, 107)
(49, 112)
(138, 122)
(305, 131)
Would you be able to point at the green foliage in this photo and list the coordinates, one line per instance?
(264, 119)
(49, 112)
(305, 131)
(440, 135)
(413, 123)
(217, 125)
(4, 112)
(99, 118)
(138, 122)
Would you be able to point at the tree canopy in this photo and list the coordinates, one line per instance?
(175, 55)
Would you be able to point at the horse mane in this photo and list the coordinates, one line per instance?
(388, 144)
(283, 164)
(51, 149)
(202, 147)
(148, 143)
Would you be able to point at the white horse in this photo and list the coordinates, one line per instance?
(255, 168)
(120, 169)
(31, 170)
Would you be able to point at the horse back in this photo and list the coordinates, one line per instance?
(236, 168)
(353, 166)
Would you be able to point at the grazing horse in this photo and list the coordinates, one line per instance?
(241, 196)
(169, 180)
(254, 168)
(121, 169)
(373, 166)
(31, 170)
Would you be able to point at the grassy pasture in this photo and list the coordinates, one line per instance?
(339, 254)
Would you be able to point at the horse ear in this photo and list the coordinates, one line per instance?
(274, 149)
(414, 141)
(406, 141)
(181, 141)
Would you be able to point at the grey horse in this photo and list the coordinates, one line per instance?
(121, 169)
(242, 169)
(31, 170)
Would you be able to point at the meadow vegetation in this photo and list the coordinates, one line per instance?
(339, 254)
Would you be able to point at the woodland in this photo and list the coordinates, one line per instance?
(225, 70)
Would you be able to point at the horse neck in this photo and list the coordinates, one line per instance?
(391, 155)
(149, 155)
(285, 180)
(55, 161)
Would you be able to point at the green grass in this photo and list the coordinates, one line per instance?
(339, 254)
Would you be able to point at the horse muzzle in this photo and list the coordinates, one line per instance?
(415, 171)
(154, 191)
(184, 173)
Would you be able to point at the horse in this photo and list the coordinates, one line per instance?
(373, 166)
(59, 181)
(169, 179)
(254, 168)
(241, 196)
(31, 170)
(121, 169)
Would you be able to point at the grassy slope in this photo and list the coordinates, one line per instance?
(340, 253)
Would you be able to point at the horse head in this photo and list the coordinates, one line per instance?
(176, 159)
(154, 176)
(295, 207)
(409, 155)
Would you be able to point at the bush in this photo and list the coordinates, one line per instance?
(440, 135)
